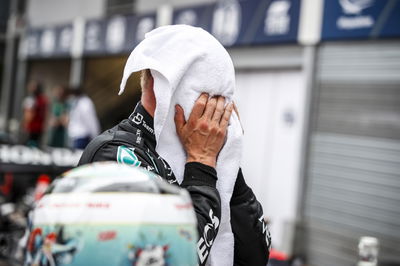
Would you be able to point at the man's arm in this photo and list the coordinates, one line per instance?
(202, 137)
(200, 180)
(252, 238)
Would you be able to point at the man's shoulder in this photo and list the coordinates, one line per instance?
(126, 148)
(96, 146)
(105, 146)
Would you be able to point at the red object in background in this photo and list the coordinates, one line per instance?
(277, 255)
(36, 125)
(5, 188)
(41, 185)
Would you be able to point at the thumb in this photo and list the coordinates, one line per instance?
(179, 118)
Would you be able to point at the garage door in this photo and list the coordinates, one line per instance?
(353, 171)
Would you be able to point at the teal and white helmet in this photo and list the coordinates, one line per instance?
(112, 214)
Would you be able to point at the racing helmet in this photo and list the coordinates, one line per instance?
(112, 214)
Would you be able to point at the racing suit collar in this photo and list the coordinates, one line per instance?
(142, 119)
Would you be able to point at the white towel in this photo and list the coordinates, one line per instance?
(186, 61)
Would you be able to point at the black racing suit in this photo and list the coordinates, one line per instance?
(132, 142)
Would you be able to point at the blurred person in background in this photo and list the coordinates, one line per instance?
(35, 108)
(83, 123)
(58, 117)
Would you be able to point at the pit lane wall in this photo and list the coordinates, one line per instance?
(20, 158)
(22, 166)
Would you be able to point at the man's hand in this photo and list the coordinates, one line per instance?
(203, 135)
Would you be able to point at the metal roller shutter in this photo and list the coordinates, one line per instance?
(353, 172)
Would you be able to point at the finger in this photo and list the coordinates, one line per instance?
(210, 108)
(219, 110)
(237, 113)
(179, 118)
(199, 106)
(227, 115)
(236, 110)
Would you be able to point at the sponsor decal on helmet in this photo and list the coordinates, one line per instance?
(52, 247)
(126, 155)
(107, 235)
(156, 255)
(186, 234)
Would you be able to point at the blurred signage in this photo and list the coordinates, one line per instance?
(20, 155)
(350, 19)
(199, 16)
(50, 42)
(95, 37)
(116, 35)
(232, 22)
(243, 22)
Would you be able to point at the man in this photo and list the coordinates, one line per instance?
(35, 108)
(133, 142)
(58, 121)
(83, 124)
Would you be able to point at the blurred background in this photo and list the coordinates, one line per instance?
(318, 91)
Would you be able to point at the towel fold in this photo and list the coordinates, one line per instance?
(186, 61)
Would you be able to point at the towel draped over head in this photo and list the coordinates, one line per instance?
(186, 61)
